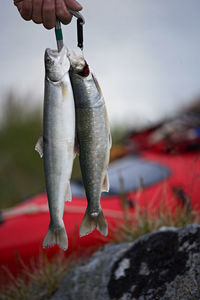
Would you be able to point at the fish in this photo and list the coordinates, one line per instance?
(57, 143)
(93, 141)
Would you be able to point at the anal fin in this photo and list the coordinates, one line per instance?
(106, 184)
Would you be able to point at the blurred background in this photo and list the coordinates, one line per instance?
(145, 55)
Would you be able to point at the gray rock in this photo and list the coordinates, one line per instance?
(164, 265)
(89, 280)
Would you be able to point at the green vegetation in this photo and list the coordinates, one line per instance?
(119, 134)
(38, 282)
(21, 172)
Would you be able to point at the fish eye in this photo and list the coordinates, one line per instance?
(49, 61)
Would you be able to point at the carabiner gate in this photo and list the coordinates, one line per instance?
(80, 23)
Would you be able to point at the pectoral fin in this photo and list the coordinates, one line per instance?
(39, 146)
(110, 140)
(105, 185)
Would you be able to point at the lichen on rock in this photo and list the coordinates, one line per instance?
(168, 257)
(164, 265)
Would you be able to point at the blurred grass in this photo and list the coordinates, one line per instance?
(21, 171)
(119, 134)
(40, 281)
(147, 220)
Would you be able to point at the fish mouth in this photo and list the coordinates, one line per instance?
(53, 54)
(56, 64)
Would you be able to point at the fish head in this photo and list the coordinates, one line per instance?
(77, 60)
(56, 64)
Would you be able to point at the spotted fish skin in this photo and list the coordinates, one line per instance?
(58, 142)
(93, 137)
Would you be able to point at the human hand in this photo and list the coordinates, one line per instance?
(46, 11)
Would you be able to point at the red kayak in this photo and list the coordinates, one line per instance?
(172, 178)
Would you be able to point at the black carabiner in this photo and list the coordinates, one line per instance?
(80, 33)
(80, 23)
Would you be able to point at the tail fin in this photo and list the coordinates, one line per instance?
(91, 221)
(58, 236)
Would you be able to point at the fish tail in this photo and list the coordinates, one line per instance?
(90, 221)
(58, 236)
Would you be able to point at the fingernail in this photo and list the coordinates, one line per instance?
(78, 4)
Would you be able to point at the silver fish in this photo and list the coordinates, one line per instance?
(57, 142)
(94, 142)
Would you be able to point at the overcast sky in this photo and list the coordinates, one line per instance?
(145, 53)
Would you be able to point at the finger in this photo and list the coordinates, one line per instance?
(73, 4)
(26, 10)
(62, 13)
(17, 1)
(48, 14)
(37, 11)
(19, 7)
